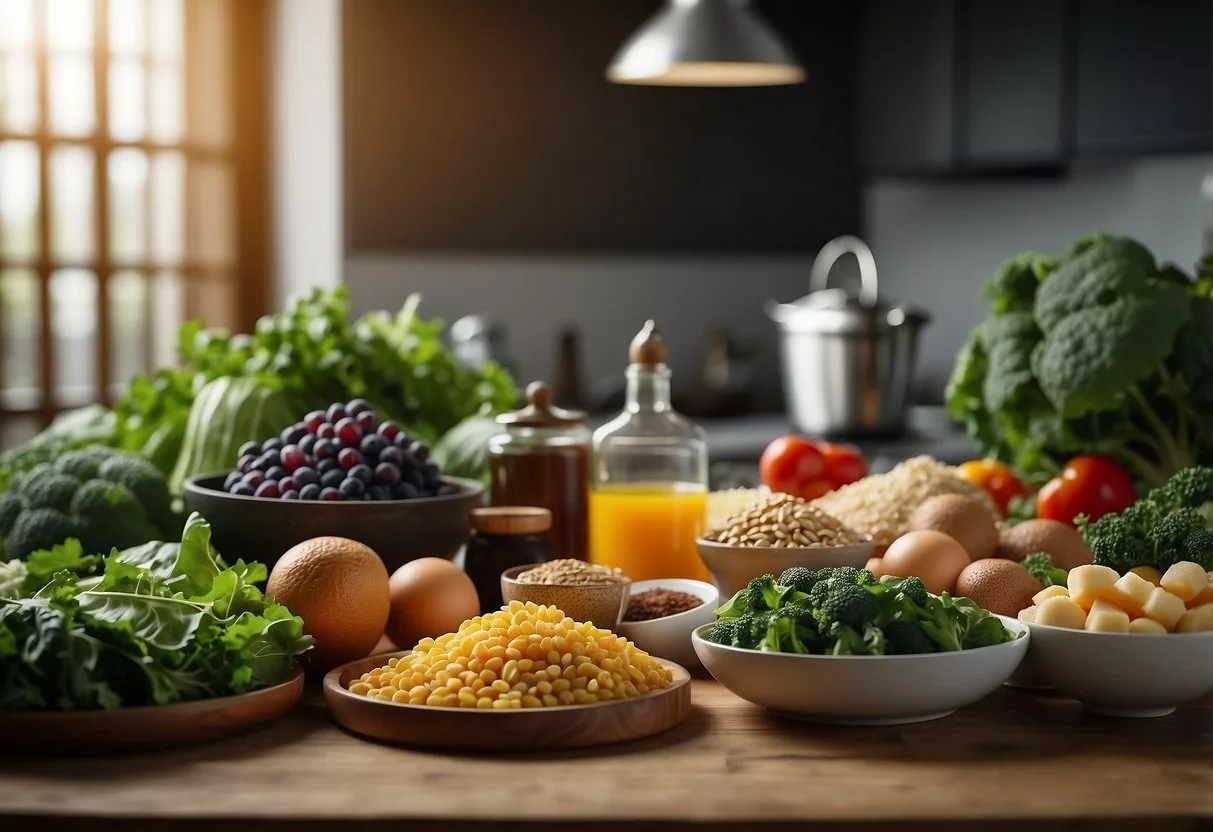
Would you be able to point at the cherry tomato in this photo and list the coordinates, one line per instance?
(998, 480)
(1090, 485)
(844, 465)
(794, 465)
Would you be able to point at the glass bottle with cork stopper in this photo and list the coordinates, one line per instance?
(648, 476)
(542, 458)
(504, 537)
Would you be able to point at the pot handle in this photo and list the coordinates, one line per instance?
(819, 277)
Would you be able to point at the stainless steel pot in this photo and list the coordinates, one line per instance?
(848, 362)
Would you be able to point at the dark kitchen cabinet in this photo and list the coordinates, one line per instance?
(953, 87)
(1143, 76)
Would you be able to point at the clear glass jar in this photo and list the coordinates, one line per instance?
(649, 476)
(542, 458)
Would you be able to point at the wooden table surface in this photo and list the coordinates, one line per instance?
(1016, 761)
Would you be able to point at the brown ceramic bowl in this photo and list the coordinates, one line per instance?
(601, 603)
(257, 528)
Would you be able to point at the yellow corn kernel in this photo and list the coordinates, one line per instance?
(362, 688)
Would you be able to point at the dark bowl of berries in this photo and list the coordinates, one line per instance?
(340, 472)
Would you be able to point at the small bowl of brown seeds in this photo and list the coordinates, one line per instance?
(677, 607)
(775, 533)
(585, 591)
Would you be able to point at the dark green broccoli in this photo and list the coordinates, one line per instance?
(1040, 566)
(912, 588)
(749, 630)
(907, 638)
(866, 578)
(1188, 488)
(839, 574)
(1169, 524)
(105, 498)
(722, 632)
(1198, 547)
(800, 578)
(762, 593)
(819, 593)
(867, 641)
(847, 606)
(782, 633)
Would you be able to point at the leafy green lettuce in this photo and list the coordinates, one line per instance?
(163, 623)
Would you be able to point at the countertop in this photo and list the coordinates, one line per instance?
(1017, 760)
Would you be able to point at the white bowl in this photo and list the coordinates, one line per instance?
(732, 567)
(1125, 674)
(670, 637)
(864, 690)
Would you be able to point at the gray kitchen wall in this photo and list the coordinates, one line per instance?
(936, 242)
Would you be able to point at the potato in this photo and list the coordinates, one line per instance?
(1184, 580)
(1105, 605)
(1196, 620)
(1131, 594)
(1089, 583)
(1106, 617)
(1149, 573)
(1050, 592)
(1028, 615)
(1205, 596)
(1164, 608)
(1061, 612)
(1145, 626)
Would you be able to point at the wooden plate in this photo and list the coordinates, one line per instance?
(532, 729)
(149, 727)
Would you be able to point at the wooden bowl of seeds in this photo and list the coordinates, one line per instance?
(776, 533)
(582, 591)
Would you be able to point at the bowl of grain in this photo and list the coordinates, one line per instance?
(583, 591)
(778, 532)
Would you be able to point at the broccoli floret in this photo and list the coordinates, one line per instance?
(147, 484)
(52, 491)
(99, 500)
(1198, 548)
(868, 641)
(800, 578)
(1188, 488)
(907, 638)
(10, 510)
(763, 594)
(84, 464)
(1040, 566)
(782, 634)
(912, 588)
(847, 606)
(39, 528)
(749, 630)
(866, 578)
(722, 632)
(841, 575)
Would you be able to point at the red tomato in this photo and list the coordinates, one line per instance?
(793, 465)
(1090, 485)
(997, 478)
(844, 465)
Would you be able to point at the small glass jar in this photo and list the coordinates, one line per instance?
(542, 458)
(505, 537)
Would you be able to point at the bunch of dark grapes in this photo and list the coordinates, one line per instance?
(343, 453)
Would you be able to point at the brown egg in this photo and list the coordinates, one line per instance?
(1001, 586)
(962, 518)
(1058, 540)
(430, 597)
(875, 566)
(933, 556)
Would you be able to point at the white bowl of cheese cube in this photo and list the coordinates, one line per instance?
(1134, 645)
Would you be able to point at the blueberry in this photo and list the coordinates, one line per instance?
(326, 465)
(332, 479)
(352, 488)
(292, 435)
(379, 492)
(349, 458)
(363, 473)
(392, 456)
(276, 473)
(325, 449)
(372, 445)
(389, 430)
(387, 474)
(274, 444)
(420, 450)
(311, 491)
(416, 477)
(355, 406)
(368, 421)
(253, 479)
(267, 489)
(405, 491)
(246, 463)
(336, 413)
(430, 470)
(408, 462)
(306, 475)
(308, 445)
(290, 495)
(231, 479)
(402, 441)
(288, 483)
(330, 494)
(243, 489)
(250, 449)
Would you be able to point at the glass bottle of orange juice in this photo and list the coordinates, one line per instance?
(648, 476)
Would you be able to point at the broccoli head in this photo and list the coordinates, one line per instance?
(907, 638)
(763, 593)
(1198, 548)
(10, 509)
(848, 605)
(800, 578)
(52, 491)
(912, 588)
(1040, 566)
(1187, 488)
(39, 528)
(749, 630)
(84, 464)
(866, 578)
(865, 641)
(722, 632)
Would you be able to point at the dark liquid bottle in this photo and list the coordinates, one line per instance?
(503, 538)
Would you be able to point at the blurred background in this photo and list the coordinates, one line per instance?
(171, 159)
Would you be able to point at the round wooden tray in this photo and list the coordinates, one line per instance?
(532, 729)
(148, 727)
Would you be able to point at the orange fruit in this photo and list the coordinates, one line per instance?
(340, 589)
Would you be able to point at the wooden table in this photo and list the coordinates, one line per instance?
(1016, 761)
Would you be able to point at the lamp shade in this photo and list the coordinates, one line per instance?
(705, 43)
